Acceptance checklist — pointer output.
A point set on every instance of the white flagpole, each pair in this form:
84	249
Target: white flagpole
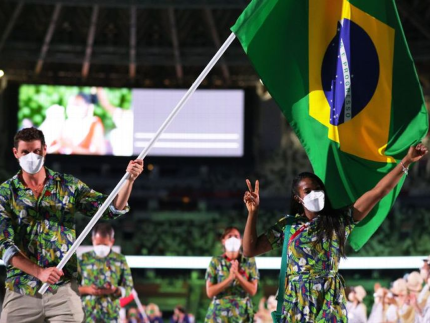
139	305
142	155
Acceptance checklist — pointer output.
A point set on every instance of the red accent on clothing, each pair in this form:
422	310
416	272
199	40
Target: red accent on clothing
300	230
126	300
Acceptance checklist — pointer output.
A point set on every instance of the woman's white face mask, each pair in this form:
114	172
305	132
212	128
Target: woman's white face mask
232	244
314	201
31	163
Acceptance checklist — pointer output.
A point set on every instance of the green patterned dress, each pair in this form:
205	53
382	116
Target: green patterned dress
314	290
233	304
97	271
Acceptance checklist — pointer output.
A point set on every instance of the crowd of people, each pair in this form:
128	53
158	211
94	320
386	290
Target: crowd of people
152	314
406	300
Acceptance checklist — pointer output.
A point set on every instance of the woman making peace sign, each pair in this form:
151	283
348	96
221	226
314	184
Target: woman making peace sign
314	290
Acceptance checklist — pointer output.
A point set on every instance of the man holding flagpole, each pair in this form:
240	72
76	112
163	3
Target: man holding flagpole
37	208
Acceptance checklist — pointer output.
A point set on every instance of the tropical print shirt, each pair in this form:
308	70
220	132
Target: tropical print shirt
43	229
112	269
314	290
233	304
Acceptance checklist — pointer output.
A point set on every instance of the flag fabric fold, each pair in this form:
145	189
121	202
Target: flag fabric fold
343	76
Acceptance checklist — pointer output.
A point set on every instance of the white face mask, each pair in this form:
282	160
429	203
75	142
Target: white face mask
31	163
314	201
101	250
232	244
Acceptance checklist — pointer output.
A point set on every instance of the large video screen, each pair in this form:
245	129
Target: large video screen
121	121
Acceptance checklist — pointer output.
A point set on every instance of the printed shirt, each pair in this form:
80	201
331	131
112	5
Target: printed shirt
112	269
314	290
234	300
43	228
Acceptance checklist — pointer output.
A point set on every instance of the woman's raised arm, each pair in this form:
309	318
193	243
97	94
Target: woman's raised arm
368	200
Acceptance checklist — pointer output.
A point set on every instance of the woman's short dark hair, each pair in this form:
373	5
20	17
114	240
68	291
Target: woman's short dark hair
28	135
228	230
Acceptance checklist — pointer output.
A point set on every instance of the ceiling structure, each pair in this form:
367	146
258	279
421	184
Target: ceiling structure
145	43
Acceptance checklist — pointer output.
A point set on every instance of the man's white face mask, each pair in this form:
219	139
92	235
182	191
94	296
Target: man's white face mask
32	163
232	244
314	201
101	250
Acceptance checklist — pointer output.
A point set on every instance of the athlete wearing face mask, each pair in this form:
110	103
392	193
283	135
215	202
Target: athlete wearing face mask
230	281
317	237
106	277
31	163
232	244
32	246
314	201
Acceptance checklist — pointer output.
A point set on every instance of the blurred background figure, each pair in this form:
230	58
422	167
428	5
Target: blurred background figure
380	305
423	300
133	316
357	311
231	280
180	315
120	138
399	310
414	283
106	277
265	309
153	313
53	125
83	133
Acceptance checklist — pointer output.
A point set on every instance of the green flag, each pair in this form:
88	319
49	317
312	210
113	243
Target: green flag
342	74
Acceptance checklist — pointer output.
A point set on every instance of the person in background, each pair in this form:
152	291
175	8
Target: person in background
133	316
154	314
357	312
377	314
83	132
191	317
231	280
264	315
179	315
53	125
400	310
106	277
120	138
414	283
37	213
423	300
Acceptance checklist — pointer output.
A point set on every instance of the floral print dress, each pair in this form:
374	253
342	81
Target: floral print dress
233	305
314	290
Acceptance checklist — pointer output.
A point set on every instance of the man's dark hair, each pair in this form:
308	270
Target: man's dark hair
105	230
28	135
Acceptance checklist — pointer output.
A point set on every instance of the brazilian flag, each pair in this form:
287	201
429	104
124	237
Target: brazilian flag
342	74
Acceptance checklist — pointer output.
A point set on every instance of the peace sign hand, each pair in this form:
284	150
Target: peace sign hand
251	197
